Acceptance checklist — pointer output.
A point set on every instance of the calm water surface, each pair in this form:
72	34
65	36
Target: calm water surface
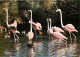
46	47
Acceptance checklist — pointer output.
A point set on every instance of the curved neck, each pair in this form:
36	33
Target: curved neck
7	17
31	22
61	18
47	24
50	24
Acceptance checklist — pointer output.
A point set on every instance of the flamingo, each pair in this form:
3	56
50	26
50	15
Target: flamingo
57	29
49	30
69	27
37	25
30	34
57	35
12	25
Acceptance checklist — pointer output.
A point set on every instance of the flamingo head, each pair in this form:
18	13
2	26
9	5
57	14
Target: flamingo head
5	9
49	19
30	10
58	10
39	26
54	27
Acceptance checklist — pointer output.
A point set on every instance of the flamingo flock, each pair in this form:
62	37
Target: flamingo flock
54	32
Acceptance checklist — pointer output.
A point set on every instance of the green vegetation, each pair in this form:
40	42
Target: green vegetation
18	11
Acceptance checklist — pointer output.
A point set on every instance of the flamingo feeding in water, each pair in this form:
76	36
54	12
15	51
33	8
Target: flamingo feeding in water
57	34
36	26
12	25
57	29
30	34
69	27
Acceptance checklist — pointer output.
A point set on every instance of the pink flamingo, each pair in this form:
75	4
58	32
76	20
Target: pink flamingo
57	29
30	34
57	34
49	30
36	26
12	25
69	27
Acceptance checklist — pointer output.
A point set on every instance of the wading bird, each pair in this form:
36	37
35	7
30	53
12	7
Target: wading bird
37	25
49	30
30	34
69	27
57	29
12	25
57	35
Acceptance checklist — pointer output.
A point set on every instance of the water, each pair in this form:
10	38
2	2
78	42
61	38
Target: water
46	47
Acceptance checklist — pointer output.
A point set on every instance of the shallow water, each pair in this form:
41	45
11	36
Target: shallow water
46	47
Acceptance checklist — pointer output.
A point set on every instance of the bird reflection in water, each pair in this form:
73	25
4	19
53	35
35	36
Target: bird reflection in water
17	48
32	53
67	49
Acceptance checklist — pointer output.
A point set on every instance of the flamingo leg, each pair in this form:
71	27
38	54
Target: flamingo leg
17	37
70	37
14	37
73	35
35	33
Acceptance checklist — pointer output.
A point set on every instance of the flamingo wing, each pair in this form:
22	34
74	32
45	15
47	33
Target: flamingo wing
32	23
57	29
70	27
59	35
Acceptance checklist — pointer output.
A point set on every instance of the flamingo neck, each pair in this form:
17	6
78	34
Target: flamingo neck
61	19
31	22
48	24
7	17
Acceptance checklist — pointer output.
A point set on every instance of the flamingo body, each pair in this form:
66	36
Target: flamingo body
13	25
30	35
70	28
57	29
58	35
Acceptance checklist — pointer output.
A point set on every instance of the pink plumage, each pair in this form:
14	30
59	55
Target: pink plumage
36	26
59	35
70	28
57	29
14	24
30	35
50	31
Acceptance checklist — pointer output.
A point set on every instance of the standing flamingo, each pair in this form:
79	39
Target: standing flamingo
12	25
36	26
57	34
57	29
49	30
30	34
69	27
